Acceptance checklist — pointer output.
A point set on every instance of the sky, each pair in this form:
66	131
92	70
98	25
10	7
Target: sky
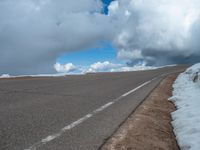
106	4
44	36
104	52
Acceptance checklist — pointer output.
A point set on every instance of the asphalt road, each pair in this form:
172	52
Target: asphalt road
70	113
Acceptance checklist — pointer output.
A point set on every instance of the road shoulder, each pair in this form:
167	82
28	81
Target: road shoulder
149	127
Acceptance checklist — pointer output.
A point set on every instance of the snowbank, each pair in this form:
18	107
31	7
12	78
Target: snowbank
39	75
186	119
5	76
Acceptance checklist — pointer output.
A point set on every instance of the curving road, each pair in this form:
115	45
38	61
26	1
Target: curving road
70	113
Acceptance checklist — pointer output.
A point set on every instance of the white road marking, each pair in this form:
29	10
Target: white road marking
103	107
86	117
126	94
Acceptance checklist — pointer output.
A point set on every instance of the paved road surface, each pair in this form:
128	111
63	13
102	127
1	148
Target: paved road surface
72	112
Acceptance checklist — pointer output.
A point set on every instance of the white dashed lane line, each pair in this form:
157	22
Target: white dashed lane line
84	118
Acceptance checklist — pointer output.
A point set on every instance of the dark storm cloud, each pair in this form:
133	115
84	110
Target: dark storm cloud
158	32
157	57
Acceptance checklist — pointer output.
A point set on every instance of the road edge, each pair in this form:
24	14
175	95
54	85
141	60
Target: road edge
109	141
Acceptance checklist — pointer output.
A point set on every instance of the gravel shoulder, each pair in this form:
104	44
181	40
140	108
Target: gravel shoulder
149	127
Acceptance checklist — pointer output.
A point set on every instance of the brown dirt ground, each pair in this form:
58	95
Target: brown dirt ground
149	127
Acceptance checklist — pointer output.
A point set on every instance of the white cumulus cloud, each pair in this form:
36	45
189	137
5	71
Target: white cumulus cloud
66	68
105	66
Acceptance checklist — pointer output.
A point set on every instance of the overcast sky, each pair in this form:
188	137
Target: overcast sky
35	33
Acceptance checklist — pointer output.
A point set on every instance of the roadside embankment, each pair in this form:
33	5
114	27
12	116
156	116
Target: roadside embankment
149	127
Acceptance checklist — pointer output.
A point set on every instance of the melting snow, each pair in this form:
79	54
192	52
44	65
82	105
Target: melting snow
186	119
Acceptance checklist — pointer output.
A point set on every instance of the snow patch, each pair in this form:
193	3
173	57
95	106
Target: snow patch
186	119
5	76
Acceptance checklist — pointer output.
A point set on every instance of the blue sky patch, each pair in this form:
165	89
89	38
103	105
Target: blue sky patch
103	52
106	4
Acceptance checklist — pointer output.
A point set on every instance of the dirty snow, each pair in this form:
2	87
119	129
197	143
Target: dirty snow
186	119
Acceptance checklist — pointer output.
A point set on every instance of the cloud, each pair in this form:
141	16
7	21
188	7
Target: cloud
159	32
105	66
66	68
113	7
34	33
126	55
